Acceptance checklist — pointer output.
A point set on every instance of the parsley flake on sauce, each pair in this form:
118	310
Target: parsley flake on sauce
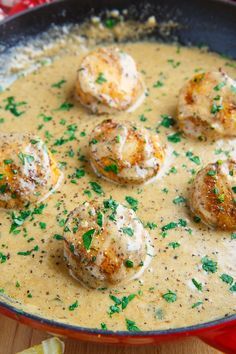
167	121
174	138
170	296
28	253
119	304
174	245
131	326
65	106
103	326
158	84
96	188
197	284
179	200
58	84
132	202
12	106
3	258
193	158
227	279
196	304
209	265
73	306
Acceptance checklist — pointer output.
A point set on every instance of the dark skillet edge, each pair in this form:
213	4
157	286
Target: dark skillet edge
200	20
14	312
60	325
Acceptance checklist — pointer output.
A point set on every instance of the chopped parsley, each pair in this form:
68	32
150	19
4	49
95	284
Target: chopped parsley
216	108
142	118
65	106
132	202
233	288
3	258
227	279
211	173
87	238
193	158
103	326
170	296
58	84
73	306
119	304
196	304
100	218
167	121
28	253
233	236
197	284
131	326
96	188
12	106
151	225
174	138
8	162
58	237
128	263
179	200
173	225
101	79
42	225
24	158
110	22
174	245
158	84
173	63
111	168
209	265
219	86
128	231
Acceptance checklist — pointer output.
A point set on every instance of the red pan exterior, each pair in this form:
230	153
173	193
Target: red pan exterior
219	334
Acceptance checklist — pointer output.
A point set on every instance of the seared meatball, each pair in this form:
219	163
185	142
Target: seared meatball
213	195
105	244
125	153
207	106
108	81
28	173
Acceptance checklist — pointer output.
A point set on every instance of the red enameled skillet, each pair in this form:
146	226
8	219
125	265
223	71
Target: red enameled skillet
208	22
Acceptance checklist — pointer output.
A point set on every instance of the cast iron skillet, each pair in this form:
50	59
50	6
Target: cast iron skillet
212	23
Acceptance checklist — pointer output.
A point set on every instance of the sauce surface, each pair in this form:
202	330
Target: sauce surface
175	290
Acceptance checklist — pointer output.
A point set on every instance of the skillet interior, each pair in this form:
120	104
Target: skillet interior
216	31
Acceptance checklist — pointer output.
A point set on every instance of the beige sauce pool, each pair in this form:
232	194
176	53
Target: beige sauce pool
40	282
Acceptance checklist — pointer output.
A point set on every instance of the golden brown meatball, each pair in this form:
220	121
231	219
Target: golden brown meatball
28	173
213	195
108	81
105	244
125	153
207	106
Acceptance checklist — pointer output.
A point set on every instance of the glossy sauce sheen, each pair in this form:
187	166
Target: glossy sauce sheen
40	282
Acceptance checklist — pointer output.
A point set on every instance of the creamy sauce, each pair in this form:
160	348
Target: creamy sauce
40	281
